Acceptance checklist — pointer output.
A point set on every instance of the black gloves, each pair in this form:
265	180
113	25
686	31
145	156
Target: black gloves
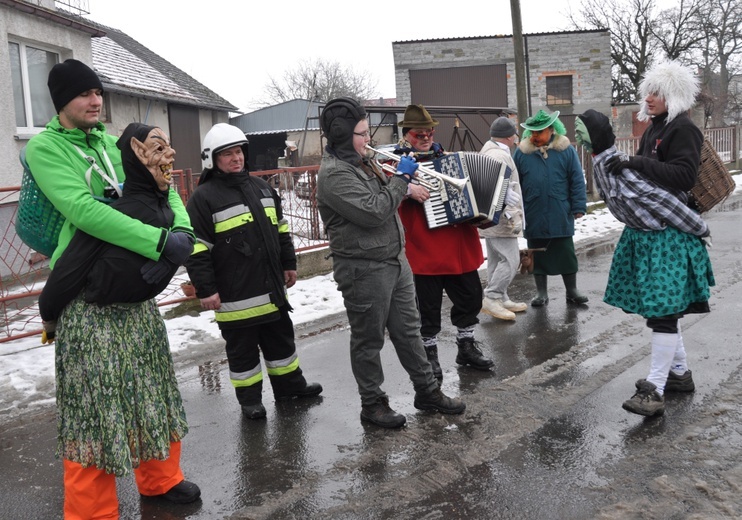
153	272
178	247
615	164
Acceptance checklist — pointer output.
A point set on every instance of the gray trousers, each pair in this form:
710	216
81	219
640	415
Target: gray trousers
379	297
503	257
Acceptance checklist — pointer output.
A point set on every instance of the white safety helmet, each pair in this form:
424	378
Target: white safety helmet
220	137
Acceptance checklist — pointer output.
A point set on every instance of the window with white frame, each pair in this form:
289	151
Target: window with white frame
29	71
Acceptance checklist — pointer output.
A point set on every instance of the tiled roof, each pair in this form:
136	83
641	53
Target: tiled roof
126	66
123	69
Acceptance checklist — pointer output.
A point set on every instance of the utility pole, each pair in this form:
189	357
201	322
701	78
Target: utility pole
521	93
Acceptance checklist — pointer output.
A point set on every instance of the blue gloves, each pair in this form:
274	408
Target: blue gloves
406	168
178	247
437	148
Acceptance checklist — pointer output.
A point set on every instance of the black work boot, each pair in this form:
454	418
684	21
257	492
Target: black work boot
432	355
250	399
542	294
253	411
437	401
573	295
309	390
470	354
381	414
182	493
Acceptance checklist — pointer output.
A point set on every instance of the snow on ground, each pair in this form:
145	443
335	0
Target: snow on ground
27	367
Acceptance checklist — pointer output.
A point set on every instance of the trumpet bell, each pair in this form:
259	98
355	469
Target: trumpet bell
457	183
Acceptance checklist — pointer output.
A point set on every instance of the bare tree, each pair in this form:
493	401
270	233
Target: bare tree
633	45
721	20
704	33
679	31
320	80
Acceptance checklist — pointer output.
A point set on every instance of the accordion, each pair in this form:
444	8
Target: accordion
480	202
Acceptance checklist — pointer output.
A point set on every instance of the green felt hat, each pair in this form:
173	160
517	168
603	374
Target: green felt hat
416	116
540	120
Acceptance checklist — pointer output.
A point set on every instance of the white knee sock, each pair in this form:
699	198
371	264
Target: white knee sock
663	351
680	361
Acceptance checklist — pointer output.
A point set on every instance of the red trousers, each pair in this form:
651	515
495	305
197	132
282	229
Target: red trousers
90	493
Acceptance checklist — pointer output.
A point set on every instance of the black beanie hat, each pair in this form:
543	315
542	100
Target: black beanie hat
68	80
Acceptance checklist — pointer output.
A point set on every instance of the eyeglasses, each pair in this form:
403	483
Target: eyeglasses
422	135
365	134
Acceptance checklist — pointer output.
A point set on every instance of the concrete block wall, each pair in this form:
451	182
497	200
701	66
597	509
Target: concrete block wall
585	55
313	263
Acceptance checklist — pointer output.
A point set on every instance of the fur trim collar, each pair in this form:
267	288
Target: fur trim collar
559	143
676	84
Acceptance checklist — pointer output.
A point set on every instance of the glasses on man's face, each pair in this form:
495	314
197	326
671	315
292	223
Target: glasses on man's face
365	134
422	135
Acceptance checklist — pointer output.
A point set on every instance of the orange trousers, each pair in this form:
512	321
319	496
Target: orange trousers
90	493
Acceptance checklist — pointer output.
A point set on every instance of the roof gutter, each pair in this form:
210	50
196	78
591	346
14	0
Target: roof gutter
52	16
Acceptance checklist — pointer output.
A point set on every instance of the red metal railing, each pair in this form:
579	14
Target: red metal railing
23	272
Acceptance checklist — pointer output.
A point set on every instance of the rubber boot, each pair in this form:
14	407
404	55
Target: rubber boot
573	295
542	295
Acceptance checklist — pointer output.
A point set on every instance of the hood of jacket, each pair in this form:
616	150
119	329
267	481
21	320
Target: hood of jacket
138	177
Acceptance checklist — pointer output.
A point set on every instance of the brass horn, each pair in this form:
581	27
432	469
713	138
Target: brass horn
459	184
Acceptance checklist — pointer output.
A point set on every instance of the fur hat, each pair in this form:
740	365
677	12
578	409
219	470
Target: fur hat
68	80
674	83
415	116
503	127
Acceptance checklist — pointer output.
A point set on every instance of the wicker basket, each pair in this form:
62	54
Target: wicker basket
714	183
38	222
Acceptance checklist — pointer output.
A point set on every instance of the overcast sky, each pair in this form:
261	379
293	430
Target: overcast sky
235	47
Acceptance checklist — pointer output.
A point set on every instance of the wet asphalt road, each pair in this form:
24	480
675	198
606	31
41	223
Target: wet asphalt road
535	441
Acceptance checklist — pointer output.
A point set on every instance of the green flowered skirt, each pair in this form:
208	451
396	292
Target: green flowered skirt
118	401
659	273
